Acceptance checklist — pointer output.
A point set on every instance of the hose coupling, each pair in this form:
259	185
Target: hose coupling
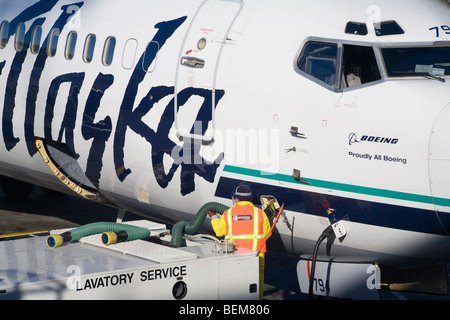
56	240
109	238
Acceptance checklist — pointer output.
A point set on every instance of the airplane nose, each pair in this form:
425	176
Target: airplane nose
439	166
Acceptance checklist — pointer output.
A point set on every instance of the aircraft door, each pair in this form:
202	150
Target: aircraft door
195	85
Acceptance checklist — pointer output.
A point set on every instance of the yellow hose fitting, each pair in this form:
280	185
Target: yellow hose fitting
54	241
109	238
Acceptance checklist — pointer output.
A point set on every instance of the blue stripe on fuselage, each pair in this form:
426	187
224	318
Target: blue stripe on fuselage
354	210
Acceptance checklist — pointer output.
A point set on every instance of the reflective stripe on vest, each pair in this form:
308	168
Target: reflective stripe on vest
255	236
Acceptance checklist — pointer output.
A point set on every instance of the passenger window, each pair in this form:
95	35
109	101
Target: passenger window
150	57
36	39
319	60
4	34
359	66
108	51
53	42
20	37
70	45
89	46
129	54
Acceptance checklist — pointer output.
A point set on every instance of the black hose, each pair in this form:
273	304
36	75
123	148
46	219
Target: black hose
322	237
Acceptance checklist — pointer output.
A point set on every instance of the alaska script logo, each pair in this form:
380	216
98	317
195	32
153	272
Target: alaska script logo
131	111
352	138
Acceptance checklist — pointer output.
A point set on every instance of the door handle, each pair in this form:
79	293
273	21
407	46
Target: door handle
192	62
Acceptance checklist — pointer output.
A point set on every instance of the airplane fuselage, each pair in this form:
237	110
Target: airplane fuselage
167	105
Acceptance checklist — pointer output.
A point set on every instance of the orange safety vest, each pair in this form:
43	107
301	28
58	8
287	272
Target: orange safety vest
244	225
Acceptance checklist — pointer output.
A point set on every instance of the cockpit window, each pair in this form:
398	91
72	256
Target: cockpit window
339	66
417	61
359	28
387	28
319	60
359	66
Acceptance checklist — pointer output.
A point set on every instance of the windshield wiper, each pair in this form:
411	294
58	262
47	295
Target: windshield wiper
420	74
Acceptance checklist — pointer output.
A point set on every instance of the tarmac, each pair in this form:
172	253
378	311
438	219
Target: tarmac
41	211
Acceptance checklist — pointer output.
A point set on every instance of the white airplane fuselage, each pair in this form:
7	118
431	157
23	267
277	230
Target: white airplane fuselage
203	95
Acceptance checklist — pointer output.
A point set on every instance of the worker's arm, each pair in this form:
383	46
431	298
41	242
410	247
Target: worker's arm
218	225
266	226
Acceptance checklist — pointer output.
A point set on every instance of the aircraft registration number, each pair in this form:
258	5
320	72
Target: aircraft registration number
440	30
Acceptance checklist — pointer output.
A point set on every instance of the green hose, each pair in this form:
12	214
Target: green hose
194	225
126	232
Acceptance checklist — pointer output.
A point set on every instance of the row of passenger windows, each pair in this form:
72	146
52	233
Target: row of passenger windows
52	45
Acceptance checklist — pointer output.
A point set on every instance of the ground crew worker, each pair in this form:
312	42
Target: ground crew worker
244	224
